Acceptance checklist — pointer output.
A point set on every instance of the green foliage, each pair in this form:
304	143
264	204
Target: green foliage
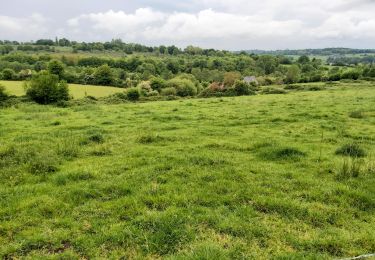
304	59
351	74
56	67
169	91
157	83
104	75
45	88
293	75
184	87
3	94
242	88
230	78
133	94
8	74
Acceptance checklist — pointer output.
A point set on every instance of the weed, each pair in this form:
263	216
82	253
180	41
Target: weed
283	153
350	168
357	114
352	150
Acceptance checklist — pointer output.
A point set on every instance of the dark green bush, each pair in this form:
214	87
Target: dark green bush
242	88
45	88
157	83
3	95
184	87
133	94
351	74
8	74
352	150
56	67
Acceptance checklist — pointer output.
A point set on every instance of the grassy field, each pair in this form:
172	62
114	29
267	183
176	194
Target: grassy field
77	91
254	177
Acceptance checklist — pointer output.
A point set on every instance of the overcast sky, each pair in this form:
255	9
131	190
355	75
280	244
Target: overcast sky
220	24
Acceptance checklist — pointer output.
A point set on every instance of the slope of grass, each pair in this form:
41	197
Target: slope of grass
76	90
231	178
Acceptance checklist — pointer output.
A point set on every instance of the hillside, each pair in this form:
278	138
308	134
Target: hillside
258	177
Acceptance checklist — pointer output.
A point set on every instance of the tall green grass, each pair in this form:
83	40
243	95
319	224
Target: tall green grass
260	177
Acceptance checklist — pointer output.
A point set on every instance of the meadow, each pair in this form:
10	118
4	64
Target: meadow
77	91
255	177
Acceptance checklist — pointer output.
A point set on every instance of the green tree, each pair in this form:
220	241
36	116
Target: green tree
157	83
133	94
8	74
56	67
184	87
104	75
242	88
293	75
303	59
230	78
267	63
46	88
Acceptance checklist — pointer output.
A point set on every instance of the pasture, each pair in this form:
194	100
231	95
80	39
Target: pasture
76	90
256	177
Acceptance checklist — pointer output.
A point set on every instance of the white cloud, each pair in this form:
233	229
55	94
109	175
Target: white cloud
235	24
262	24
32	26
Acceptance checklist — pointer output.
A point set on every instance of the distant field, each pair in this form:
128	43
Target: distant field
77	91
256	177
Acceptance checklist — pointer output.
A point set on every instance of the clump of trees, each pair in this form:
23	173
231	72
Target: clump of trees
47	88
168	70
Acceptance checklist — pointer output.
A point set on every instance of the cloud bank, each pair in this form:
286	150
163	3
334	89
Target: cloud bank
236	24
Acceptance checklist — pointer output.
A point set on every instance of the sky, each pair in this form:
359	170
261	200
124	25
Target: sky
219	24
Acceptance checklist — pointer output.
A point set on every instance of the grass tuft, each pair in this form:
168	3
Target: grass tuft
283	153
352	150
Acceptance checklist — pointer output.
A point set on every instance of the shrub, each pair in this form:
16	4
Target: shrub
352	150
169	91
3	95
103	75
157	84
8	74
184	87
216	90
56	67
133	94
242	88
144	88
45	88
230	78
351	74
334	77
